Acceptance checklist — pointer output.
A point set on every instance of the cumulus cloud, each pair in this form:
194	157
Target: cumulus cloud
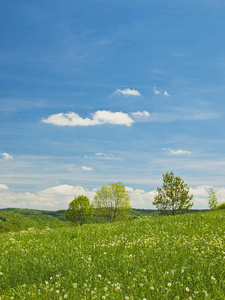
128	92
98	118
57	197
3	187
141	114
6	156
87	168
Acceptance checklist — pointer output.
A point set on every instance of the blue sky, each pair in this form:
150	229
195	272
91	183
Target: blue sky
94	92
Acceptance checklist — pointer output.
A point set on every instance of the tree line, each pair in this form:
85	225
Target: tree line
112	202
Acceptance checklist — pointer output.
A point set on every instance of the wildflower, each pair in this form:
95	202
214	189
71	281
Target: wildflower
57	291
152	288
99	276
105	288
1	273
127	298
103	297
65	296
75	285
213	278
169	284
187	289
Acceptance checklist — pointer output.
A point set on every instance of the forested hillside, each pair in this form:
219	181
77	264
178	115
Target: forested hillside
16	219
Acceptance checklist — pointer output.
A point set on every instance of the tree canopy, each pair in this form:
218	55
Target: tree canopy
173	196
112	202
80	210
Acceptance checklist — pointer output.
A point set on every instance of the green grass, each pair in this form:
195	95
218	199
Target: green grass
156	257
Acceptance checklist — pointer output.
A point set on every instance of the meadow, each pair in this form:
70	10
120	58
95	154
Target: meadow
155	257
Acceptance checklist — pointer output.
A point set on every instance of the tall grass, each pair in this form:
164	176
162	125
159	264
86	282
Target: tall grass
174	257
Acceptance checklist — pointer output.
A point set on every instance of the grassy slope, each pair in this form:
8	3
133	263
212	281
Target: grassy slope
15	219
154	258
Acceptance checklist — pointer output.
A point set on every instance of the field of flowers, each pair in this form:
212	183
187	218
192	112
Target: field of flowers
173	257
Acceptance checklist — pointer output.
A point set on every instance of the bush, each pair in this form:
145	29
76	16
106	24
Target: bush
221	206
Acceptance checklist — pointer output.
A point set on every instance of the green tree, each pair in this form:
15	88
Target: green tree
212	200
112	202
173	196
80	211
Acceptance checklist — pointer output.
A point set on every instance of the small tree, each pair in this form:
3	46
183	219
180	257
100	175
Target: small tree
212	200
113	202
80	210
173	196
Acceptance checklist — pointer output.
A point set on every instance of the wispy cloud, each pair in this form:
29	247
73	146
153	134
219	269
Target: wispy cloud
98	118
141	114
182	114
6	156
165	93
158	92
128	92
177	152
100	154
87	168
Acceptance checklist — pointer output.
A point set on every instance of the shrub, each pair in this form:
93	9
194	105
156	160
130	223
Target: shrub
221	206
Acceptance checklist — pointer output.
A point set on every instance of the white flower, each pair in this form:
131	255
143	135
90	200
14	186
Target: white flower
99	276
65	296
57	291
187	289
169	284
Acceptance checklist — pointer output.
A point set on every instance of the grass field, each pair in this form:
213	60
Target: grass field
158	257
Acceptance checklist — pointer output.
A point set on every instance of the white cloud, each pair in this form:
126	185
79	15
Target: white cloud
166	93
6	156
157	92
141	114
100	154
179	152
128	92
58	197
87	168
3	187
98	118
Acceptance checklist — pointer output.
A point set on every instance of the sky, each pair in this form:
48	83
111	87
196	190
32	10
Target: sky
95	92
